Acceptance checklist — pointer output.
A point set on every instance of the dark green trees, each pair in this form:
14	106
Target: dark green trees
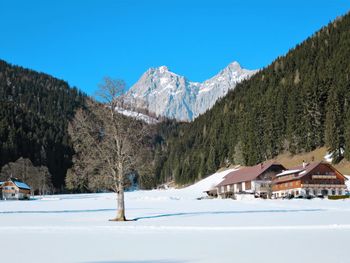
298	103
35	109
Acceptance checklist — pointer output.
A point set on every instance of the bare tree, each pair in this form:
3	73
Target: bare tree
37	177
107	142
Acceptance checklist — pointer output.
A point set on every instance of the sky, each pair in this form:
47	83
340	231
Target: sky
81	41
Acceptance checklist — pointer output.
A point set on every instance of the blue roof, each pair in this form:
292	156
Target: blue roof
21	185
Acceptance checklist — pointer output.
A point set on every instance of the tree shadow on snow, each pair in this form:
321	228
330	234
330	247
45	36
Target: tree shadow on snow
58	211
64	211
226	213
139	261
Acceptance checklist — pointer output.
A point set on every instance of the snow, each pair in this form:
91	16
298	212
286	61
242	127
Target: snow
137	115
163	81
163	69
288	172
188	99
21	185
328	157
172	226
207	183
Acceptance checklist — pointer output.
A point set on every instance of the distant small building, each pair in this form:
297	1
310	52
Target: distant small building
309	179
255	180
14	189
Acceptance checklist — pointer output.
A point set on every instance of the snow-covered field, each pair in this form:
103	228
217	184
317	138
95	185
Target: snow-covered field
171	226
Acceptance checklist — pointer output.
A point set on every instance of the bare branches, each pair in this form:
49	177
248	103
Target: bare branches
107	143
111	92
38	177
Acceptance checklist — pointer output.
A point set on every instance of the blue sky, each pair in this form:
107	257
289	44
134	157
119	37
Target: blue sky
82	41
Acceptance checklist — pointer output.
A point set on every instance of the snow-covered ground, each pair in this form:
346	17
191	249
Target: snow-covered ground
172	226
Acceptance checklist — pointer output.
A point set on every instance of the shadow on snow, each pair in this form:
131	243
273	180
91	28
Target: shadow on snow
227	213
139	261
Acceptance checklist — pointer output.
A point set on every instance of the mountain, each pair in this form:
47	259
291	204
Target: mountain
35	109
167	94
298	103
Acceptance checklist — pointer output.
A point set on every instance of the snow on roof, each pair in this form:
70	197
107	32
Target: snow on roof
21	185
289	172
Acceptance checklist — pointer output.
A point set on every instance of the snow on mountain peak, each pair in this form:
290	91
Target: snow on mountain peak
173	96
163	69
234	65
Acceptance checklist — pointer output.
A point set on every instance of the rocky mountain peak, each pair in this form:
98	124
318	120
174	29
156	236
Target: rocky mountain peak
163	69
173	96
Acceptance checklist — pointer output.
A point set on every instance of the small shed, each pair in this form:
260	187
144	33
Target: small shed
15	189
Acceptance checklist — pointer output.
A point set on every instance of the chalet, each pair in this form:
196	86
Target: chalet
15	189
250	180
309	179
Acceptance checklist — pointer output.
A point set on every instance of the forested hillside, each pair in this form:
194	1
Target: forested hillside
35	109
296	104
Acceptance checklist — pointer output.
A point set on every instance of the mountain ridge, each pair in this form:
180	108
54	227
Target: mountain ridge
174	96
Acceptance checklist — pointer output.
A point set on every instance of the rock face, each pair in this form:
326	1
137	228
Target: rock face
167	94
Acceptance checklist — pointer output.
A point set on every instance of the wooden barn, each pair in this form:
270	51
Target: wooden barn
254	180
309	179
14	189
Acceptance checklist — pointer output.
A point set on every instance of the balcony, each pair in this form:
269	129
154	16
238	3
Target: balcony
324	176
323	186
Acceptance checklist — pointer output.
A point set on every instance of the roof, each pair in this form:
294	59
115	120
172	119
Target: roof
301	171
247	173
20	184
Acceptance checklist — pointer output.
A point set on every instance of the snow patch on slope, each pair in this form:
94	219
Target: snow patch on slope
208	183
137	115
347	182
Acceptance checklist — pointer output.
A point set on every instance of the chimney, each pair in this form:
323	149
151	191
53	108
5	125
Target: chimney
261	165
304	164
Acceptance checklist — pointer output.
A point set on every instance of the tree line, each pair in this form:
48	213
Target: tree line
299	102
35	110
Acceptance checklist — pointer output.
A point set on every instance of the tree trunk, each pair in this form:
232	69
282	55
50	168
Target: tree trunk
121	204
